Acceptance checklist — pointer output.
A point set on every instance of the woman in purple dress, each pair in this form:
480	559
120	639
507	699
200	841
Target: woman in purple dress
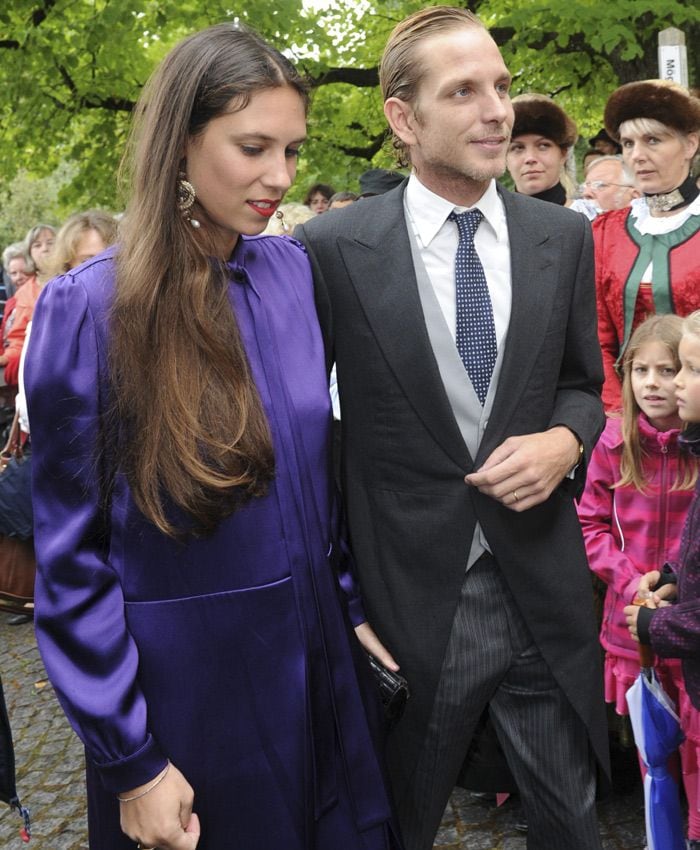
194	605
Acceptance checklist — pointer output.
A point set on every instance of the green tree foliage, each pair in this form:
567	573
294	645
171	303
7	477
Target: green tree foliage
71	71
27	200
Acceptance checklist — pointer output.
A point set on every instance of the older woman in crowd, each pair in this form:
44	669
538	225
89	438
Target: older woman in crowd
608	185
19	270
38	245
39	242
647	254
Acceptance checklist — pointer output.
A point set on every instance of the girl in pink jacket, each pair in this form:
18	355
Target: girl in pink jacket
638	490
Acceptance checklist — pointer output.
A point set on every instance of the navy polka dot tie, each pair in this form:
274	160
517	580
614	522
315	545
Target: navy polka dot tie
476	333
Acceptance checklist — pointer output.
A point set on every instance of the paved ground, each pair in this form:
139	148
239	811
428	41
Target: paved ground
50	775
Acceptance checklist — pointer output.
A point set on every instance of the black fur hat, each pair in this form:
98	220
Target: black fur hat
539	114
661	100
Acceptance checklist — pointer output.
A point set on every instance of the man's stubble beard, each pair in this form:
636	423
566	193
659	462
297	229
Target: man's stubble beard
468	174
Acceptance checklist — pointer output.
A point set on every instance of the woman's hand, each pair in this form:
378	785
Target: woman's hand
369	640
163	817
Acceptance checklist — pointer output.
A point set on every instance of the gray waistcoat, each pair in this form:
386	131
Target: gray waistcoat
471	418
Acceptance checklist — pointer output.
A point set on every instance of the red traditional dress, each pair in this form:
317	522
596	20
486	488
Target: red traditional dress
644	265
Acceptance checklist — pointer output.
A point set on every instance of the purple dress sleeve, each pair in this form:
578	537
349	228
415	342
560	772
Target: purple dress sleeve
80	621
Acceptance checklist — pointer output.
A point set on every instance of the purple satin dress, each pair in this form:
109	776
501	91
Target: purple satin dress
233	656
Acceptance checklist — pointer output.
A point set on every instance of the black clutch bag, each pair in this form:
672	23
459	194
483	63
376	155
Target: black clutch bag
393	689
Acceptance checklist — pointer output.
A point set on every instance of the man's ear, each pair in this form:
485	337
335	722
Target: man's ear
401	118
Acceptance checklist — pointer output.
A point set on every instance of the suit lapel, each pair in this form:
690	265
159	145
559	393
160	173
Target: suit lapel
377	255
378	258
534	275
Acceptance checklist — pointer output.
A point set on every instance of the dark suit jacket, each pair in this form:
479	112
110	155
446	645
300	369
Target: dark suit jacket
411	517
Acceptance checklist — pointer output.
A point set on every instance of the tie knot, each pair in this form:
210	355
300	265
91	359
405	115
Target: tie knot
467	222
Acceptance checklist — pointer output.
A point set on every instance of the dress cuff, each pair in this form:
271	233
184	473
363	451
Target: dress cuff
356	612
137	769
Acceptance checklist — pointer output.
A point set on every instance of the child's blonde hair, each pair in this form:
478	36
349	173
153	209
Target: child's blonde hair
668	330
691	324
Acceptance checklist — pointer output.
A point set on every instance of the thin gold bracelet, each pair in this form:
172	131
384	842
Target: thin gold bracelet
153	784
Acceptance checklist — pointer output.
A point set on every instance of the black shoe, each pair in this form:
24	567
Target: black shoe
520	826
19	619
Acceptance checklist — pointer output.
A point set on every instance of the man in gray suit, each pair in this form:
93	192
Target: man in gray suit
468	416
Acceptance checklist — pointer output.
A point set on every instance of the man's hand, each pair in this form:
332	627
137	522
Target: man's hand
524	471
163	817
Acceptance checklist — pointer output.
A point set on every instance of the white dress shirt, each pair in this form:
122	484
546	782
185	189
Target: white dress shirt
438	239
21	398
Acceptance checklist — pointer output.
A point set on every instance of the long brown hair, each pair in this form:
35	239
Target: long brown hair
666	329
193	434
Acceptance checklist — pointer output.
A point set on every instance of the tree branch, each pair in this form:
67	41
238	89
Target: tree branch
359	77
368	151
67	79
577	42
114	104
40	15
88	101
369	77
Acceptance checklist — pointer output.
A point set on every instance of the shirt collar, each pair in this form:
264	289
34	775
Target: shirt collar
429	211
647	223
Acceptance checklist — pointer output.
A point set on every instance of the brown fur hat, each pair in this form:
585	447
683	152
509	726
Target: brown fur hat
661	100
539	114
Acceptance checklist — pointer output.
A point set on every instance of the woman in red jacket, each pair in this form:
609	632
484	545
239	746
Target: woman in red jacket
647	254
38	244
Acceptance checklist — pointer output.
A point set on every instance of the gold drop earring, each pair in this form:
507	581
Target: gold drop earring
185	198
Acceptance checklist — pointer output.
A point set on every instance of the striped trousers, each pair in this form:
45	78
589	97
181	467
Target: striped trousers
491	660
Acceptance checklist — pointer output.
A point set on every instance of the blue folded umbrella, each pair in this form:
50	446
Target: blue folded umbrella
657	734
8	789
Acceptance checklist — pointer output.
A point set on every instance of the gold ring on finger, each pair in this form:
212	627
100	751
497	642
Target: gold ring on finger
515	496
